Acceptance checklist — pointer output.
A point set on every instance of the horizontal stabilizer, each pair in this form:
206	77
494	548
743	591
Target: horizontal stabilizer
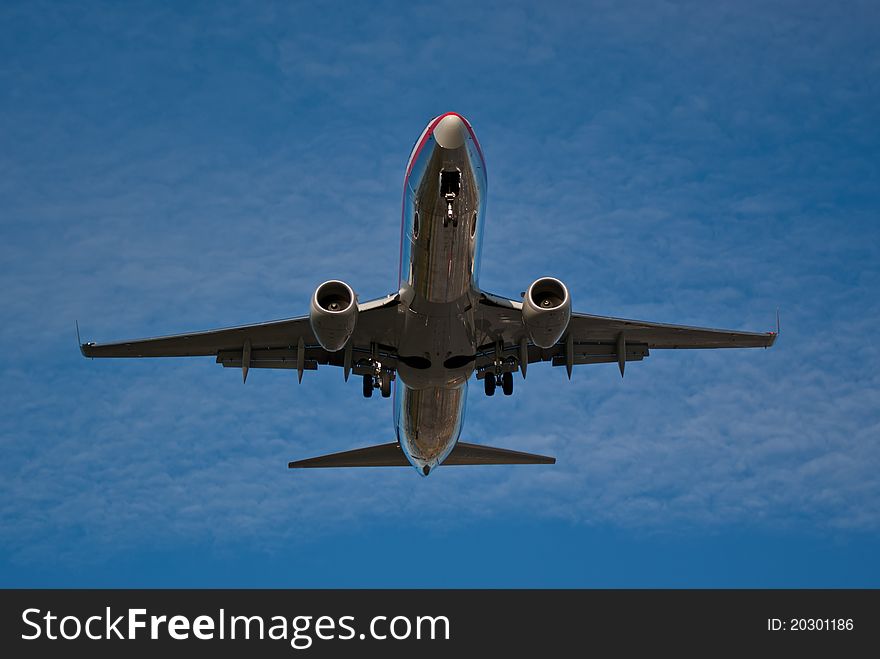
391	455
474	454
382	455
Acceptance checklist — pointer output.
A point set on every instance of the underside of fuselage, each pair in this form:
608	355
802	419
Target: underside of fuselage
443	206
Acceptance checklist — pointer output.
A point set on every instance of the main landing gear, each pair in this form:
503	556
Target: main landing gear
500	373
375	375
492	380
380	381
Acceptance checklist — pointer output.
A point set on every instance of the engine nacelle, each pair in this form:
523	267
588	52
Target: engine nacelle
333	314
546	311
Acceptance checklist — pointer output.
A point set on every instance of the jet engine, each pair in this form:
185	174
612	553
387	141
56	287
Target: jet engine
333	314
546	311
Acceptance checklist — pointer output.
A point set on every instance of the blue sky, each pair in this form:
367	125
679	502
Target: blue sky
175	166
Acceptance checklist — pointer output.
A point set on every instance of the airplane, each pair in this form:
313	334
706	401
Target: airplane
438	329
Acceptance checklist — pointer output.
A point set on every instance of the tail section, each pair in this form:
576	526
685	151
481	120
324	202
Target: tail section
391	455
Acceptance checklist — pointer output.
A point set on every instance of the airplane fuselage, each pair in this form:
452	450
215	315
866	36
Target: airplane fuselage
444	197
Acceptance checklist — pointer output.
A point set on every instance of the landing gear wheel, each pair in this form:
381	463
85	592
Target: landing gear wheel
507	383
489	383
368	386
385	379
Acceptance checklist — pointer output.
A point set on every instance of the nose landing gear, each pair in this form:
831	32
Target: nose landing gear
450	213
450	186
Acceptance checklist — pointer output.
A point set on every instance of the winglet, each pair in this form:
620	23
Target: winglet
79	343
774	335
82	346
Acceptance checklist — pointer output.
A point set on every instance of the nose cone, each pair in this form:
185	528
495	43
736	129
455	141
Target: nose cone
450	132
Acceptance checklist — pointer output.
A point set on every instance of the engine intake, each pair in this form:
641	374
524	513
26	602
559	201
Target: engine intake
546	311
333	314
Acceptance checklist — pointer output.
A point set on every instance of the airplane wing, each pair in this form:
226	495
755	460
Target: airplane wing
288	343
593	339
